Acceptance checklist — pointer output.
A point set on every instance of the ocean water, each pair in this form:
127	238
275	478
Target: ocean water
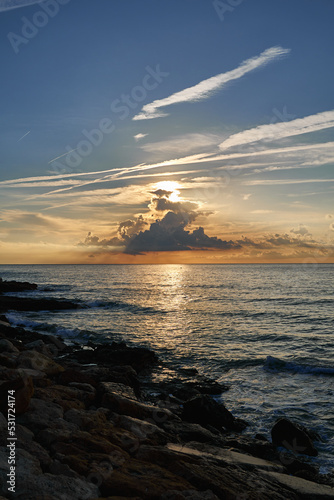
266	330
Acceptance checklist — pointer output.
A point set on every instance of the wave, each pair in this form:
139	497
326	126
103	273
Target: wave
51	329
273	364
118	305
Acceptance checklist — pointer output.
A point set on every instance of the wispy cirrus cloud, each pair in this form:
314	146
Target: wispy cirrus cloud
281	130
16	4
208	87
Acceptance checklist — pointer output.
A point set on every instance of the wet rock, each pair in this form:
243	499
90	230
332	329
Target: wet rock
38	361
138	358
206	411
293	437
27	304
16	286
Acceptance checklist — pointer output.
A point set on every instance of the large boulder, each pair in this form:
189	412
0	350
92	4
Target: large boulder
292	437
38	361
204	410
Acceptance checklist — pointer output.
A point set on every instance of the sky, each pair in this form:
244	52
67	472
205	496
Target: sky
166	131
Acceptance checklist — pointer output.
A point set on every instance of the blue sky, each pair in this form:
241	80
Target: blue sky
65	78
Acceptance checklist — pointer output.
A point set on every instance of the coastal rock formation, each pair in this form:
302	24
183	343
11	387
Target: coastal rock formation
293	437
206	411
88	433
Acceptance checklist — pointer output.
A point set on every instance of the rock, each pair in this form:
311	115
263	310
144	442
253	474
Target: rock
135	478
66	397
16	286
206	411
9	360
117	389
65	488
87	420
3	425
189	495
58	469
186	431
122	405
138	358
27	304
77	375
301	487
144	431
42	415
7	346
23	387
38	361
293	437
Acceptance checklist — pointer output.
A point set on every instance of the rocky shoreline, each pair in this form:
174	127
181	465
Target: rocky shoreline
91	423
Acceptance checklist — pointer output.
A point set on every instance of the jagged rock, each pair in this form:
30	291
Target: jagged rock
38	361
206	411
293	437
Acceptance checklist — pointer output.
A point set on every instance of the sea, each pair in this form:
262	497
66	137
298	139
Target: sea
266	330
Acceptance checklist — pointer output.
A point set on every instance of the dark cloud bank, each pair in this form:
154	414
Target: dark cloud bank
169	233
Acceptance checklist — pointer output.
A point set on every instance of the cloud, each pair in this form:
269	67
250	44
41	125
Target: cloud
15	4
275	131
206	88
269	182
138	137
169	234
302	231
182	144
126	230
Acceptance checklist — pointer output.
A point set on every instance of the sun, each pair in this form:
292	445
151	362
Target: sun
172	186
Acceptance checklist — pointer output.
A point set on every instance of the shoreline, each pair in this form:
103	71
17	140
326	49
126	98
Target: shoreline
89	427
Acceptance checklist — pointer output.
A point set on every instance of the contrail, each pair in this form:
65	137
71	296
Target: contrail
16	4
25	135
68	152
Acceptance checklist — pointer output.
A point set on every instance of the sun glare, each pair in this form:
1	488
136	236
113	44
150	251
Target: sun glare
172	186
